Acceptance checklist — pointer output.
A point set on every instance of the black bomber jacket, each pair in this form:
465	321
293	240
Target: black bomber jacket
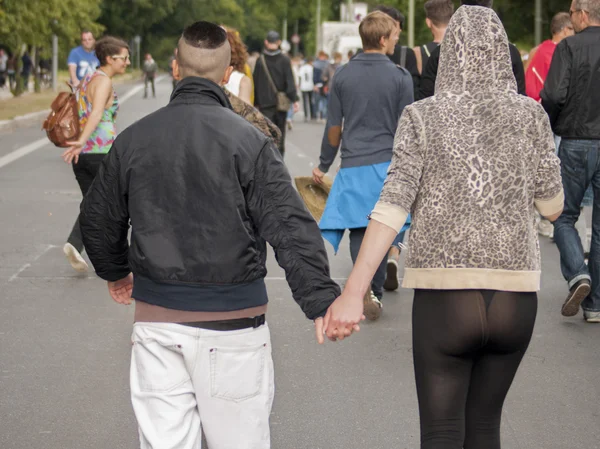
204	192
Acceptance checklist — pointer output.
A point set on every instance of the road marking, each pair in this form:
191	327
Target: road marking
23	151
27	265
27	149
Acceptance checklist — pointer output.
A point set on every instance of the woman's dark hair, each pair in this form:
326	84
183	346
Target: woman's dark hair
109	46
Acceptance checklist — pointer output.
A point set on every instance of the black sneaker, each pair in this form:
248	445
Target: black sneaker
577	294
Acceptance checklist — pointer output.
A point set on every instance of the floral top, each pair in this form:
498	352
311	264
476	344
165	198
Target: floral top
105	133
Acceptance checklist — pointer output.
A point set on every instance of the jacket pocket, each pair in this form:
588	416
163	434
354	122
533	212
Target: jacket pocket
236	373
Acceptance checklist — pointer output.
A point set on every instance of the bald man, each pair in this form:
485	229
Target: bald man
204	192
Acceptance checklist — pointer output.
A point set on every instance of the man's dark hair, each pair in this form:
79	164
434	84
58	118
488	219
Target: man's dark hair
439	11
393	13
204	35
204	51
484	3
85	31
559	22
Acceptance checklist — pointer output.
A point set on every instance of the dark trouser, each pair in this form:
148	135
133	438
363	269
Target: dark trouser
85	171
356	238
279	119
467	347
149	79
580	168
309	105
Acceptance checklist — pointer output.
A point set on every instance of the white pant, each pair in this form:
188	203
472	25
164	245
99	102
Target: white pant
184	379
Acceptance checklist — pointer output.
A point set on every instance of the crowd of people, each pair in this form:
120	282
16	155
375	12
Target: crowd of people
468	168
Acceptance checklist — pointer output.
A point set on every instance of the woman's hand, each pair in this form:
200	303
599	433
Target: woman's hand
343	316
72	153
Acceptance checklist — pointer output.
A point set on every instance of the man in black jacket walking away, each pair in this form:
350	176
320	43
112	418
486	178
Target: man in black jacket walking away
430	71
571	98
204	191
274	84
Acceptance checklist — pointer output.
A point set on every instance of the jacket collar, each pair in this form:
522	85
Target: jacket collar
362	56
194	89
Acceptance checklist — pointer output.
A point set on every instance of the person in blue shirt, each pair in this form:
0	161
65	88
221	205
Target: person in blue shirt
82	60
368	96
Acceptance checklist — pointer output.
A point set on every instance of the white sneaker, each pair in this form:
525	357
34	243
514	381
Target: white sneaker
75	259
545	228
591	317
372	306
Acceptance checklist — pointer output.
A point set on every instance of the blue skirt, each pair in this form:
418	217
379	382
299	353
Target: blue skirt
353	196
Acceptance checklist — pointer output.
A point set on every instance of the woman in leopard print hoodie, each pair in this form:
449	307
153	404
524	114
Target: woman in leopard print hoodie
471	164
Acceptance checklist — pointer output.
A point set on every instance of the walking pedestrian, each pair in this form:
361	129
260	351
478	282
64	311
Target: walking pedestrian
82	60
11	71
149	68
239	83
403	56
296	64
274	84
473	256
320	70
307	86
3	67
171	73
201	216
430	71
535	77
539	65
367	96
26	66
98	106
437	15
570	96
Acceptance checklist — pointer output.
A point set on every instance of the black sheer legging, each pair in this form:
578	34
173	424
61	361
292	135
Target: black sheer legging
467	346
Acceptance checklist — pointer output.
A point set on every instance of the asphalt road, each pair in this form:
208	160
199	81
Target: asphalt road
65	348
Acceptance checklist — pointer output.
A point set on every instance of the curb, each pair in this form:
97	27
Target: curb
20	118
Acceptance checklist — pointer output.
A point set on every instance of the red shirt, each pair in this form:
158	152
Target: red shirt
536	74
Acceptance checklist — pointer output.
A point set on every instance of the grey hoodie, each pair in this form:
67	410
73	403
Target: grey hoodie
472	163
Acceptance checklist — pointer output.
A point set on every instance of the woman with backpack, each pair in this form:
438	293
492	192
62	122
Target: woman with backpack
98	105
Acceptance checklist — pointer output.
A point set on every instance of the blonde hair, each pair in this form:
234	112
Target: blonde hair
373	27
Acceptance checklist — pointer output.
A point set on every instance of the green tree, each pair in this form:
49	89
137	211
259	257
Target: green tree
30	24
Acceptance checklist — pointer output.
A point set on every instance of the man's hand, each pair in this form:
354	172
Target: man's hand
343	317
121	290
318	176
340	333
296	107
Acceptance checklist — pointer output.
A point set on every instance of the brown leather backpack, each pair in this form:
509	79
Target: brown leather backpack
62	124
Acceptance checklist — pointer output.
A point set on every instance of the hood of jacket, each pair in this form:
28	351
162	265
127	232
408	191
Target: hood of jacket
475	56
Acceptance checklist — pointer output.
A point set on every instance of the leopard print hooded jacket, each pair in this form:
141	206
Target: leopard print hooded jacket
472	164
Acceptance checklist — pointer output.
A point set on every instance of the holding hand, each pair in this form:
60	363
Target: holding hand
318	176
343	316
